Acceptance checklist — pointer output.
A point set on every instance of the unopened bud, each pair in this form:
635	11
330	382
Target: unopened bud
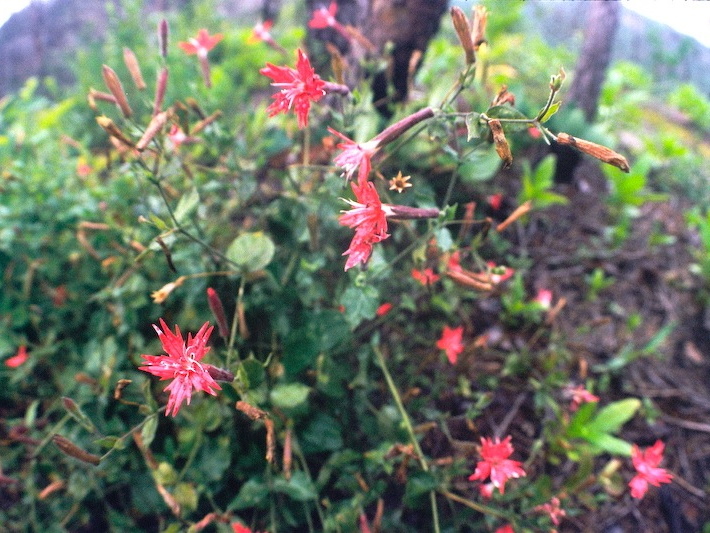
478	31
217	308
202	124
464	278
131	61
113	83
98	95
288	453
161	85
504	96
155	125
556	80
163	37
398	128
602	153
521	210
110	127
71	449
500	142
219	374
463	30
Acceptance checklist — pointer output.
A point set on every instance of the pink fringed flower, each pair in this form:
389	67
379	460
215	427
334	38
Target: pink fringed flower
261	32
553	509
495	464
646	465
425	277
200	45
451	343
369	218
181	364
298	88
355	157
323	18
579	396
19	359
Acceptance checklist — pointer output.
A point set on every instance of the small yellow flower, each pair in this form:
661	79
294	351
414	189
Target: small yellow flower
162	294
399	182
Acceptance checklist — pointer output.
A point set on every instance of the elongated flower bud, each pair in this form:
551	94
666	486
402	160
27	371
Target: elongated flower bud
154	126
462	277
604	154
98	95
217	308
398	128
110	127
163	37
161	85
500	142
337	88
463	30
71	449
113	83
202	124
219	374
478	32
521	210
131	61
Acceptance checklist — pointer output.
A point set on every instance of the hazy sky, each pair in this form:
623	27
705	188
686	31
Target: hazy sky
691	17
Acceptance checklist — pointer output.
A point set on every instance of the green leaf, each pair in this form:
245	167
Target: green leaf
551	111
473	126
77	414
298	488
480	165
613	416
360	303
251	251
187	205
506	111
580	419
323	434
289	395
418	484
252	494
110	442
610	444
148	429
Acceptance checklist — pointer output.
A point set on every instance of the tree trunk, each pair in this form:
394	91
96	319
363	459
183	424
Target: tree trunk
602	22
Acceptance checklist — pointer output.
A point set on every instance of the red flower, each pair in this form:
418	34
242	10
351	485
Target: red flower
298	88
181	364
451	343
553	509
495	463
261	32
454	262
579	396
369	218
544	298
383	309
646	465
324	18
486	490
495	201
505	529
202	44
19	358
355	156
425	277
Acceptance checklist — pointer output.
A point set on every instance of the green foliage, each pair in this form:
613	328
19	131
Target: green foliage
536	184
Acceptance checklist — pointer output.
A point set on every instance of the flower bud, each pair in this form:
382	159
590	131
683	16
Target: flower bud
110	127
131	61
478	31
504	96
515	215
113	83
161	85
556	81
398	128
154	126
463	30
500	142
466	279
405	212
71	449
162	294
219	374
604	154
217	308
163	37
202	124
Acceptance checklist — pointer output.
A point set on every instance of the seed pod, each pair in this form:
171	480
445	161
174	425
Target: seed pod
501	143
163	37
160	86
604	154
154	126
478	32
110	127
71	449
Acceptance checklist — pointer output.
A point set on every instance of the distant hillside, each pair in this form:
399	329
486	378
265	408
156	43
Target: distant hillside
35	41
667	54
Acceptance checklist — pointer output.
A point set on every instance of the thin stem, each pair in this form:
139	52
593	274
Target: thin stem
473	505
307	145
410	430
235	323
